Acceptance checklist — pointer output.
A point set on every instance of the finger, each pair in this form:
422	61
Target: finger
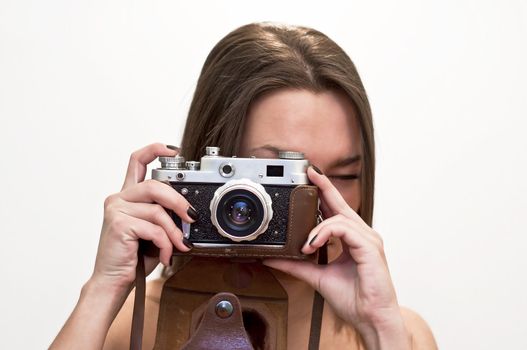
330	195
141	158
314	235
153	191
359	228
348	231
141	229
157	215
303	270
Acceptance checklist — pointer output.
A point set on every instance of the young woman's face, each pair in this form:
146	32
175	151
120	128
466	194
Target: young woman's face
323	126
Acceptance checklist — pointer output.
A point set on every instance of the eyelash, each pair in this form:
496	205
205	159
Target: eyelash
346	177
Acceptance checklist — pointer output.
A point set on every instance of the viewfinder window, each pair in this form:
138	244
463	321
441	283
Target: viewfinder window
275	170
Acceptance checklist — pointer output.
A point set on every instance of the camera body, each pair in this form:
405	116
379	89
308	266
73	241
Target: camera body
248	207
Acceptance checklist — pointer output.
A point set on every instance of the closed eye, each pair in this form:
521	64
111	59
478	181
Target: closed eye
345	177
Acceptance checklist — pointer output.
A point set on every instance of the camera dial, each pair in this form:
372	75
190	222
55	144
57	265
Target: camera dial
241	210
290	155
192	165
177	162
212	151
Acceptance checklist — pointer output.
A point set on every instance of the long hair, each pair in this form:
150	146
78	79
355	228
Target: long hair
260	57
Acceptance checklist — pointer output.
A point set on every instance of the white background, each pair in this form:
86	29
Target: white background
83	84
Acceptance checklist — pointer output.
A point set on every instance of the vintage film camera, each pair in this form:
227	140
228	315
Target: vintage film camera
248	207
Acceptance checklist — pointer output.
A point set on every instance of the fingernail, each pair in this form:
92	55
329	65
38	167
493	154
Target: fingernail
188	243
317	169
313	239
192	213
173	148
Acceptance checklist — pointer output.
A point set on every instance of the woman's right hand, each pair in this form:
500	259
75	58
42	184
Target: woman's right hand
137	212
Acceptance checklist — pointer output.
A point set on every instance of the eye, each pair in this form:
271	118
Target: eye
345	177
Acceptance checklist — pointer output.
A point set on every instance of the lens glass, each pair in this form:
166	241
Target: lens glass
240	213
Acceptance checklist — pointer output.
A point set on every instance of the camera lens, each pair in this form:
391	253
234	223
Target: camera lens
240	213
241	210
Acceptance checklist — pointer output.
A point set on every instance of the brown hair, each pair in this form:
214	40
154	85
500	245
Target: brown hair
260	57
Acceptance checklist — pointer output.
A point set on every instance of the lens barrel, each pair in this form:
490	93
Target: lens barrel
241	210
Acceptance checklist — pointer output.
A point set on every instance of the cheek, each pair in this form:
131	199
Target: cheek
350	191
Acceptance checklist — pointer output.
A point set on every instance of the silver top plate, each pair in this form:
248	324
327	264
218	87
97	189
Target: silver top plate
217	169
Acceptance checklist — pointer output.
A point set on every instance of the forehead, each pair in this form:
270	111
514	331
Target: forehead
322	125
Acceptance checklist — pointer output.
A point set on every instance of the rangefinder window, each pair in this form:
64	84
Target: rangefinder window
275	171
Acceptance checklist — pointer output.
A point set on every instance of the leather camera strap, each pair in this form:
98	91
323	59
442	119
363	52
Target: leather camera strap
136	335
318	306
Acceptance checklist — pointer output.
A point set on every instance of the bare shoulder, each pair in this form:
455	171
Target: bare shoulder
118	336
420	332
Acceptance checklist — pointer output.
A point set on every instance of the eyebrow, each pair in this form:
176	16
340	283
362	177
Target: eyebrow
336	164
346	161
266	147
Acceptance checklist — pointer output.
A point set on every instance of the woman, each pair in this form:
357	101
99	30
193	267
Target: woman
264	88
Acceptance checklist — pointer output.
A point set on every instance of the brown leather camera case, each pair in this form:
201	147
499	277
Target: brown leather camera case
303	208
186	299
186	294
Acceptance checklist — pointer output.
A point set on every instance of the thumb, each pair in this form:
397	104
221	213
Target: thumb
303	270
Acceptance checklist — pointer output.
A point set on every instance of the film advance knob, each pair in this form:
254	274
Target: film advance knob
290	155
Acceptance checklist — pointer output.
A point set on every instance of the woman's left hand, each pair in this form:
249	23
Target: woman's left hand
357	284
